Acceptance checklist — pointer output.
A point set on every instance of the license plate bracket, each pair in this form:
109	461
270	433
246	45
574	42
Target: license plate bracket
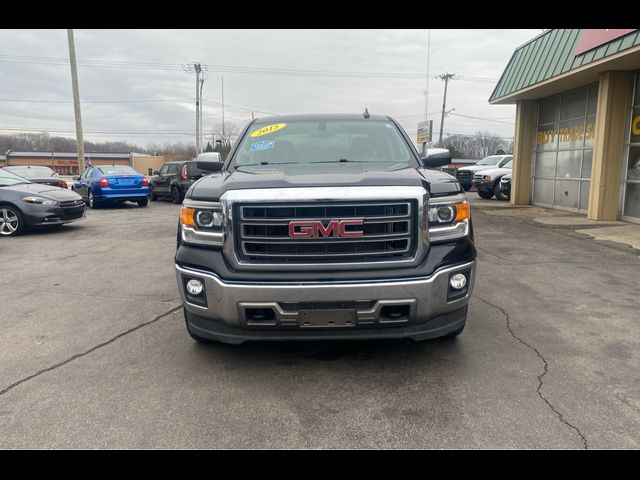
327	318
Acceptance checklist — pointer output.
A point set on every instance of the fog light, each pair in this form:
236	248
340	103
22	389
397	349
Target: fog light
458	281
194	287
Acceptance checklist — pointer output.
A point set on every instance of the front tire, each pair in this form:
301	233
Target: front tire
454	335
499	195
484	194
197	338
11	221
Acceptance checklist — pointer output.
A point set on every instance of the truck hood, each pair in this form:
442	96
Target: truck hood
212	187
476	168
496	172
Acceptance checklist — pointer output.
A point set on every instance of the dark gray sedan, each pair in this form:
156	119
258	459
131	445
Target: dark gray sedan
24	205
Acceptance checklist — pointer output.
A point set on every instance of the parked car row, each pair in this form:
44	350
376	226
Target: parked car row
486	176
35	196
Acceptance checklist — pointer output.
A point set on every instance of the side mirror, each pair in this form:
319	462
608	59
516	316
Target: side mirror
437	157
156	172
209	161
209	165
76	177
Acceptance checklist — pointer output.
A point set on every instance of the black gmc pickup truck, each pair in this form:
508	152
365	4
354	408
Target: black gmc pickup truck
325	227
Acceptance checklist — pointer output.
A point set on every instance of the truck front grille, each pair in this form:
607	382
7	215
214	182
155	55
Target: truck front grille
463	176
388	230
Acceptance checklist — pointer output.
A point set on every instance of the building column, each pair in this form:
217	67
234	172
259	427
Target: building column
612	116
523	151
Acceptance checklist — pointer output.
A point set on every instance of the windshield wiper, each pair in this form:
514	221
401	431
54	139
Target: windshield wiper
264	163
346	160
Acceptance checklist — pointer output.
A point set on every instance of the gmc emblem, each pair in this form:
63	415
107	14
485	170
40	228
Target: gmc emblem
315	229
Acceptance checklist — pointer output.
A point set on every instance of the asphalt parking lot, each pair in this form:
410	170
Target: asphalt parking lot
94	353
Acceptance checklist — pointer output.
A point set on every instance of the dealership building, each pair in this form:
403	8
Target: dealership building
577	133
66	163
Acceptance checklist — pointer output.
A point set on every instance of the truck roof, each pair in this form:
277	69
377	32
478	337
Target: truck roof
319	117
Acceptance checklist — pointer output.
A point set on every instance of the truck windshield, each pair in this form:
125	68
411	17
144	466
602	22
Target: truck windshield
375	144
492	160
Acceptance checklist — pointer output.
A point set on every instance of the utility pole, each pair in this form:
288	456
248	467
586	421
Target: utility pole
426	92
201	102
76	101
445	77
197	67
203	76
223	136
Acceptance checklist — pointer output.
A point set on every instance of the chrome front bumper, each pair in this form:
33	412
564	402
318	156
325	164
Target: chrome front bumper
423	298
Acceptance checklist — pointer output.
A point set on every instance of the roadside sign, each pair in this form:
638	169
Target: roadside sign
424	131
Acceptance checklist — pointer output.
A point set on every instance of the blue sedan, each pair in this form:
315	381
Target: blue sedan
112	184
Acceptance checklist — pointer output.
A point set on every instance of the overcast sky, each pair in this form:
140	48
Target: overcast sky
265	71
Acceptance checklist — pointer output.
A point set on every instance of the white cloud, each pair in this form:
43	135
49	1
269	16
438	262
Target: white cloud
480	53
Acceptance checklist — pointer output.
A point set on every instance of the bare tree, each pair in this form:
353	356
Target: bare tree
479	145
224	137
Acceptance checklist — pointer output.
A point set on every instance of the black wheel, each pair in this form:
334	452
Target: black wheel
484	194
92	202
453	335
499	195
143	203
11	222
197	338
176	196
152	195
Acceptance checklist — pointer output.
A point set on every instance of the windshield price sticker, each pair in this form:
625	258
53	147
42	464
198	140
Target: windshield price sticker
268	129
262	145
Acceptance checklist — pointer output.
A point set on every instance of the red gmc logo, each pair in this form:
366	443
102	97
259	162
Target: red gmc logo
315	228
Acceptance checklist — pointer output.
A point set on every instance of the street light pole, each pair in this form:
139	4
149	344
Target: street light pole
426	92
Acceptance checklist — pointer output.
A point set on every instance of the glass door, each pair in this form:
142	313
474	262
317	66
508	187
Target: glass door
631	187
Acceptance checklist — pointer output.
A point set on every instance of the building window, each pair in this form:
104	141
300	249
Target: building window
564	149
631	193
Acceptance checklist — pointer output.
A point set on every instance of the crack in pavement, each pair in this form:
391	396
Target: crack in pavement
123	296
546	370
87	352
544	262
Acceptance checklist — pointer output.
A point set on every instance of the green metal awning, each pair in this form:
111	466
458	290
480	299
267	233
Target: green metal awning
551	54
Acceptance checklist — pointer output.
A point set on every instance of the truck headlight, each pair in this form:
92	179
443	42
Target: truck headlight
202	223
486	177
448	218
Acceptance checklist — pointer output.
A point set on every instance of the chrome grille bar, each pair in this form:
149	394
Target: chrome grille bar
390	233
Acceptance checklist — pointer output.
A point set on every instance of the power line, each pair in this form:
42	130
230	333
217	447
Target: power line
94	101
227	68
136	101
482	118
226	105
55	129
